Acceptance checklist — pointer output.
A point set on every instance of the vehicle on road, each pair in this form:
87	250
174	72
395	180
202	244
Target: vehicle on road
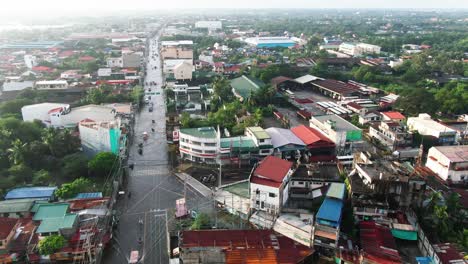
145	135
150	109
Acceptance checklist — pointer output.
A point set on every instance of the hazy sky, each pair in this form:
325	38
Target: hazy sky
47	8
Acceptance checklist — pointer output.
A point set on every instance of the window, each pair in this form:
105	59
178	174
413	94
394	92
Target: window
257	202
196	143
263	205
210	144
271	195
301	183
265	151
257	191
196	150
262	140
210	151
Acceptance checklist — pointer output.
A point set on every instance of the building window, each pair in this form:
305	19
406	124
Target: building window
257	202
257	191
196	143
263	205
265	151
210	144
262	140
272	195
197	150
210	151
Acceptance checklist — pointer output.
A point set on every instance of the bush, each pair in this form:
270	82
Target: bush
69	190
51	244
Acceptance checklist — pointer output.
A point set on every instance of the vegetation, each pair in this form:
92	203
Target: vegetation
102	164
202	221
107	94
51	244
70	190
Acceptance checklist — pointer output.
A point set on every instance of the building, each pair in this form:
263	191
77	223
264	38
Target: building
269	185
71	74
170	64
182	49
16	208
261	139
116	62
100	136
328	219
210	25
131	60
447	253
319	147
378	245
340	131
183	71
270	42
425	126
16	85
393	116
297	227
336	89
449	162
54	219
369	117
285	143
243	87
239	246
51	85
41	111
198	144
71	118
37	193
30	61
359	49
391	134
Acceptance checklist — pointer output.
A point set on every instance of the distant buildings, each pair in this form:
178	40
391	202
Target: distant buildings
210	25
181	49
51	85
270	42
359	49
127	60
30	61
450	163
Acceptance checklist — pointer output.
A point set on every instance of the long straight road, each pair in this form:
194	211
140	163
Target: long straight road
153	188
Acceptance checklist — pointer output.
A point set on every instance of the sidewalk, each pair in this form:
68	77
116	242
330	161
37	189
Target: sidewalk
195	184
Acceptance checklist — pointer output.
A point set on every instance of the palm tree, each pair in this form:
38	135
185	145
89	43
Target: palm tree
50	138
17	151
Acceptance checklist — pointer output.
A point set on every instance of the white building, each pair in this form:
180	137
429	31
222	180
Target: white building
183	71
340	131
210	25
100	136
16	85
261	139
449	162
114	62
30	61
43	112
104	72
51	85
198	144
425	126
358	49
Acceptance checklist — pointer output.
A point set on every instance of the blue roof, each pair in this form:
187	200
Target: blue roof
31	192
88	195
424	260
330	212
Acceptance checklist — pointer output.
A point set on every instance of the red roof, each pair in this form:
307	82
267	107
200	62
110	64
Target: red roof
448	253
310	136
66	53
247	246
219	64
378	244
273	169
393	115
355	106
86	58
233	68
266	182
6	225
42	69
81	204
53	110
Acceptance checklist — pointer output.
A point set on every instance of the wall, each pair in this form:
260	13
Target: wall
263	196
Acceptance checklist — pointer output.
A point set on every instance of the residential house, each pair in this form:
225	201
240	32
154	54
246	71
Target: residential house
243	87
391	134
269	189
319	147
341	132
450	163
261	139
425	126
328	219
369	117
285	143
16	208
393	116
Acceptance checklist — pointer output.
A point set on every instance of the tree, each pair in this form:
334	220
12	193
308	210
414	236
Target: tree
20	173
17	151
222	89
74	166
14	106
41	177
51	244
415	101
138	93
102	164
69	190
202	221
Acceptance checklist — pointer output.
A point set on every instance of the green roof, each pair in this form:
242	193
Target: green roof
241	189
50	225
202	132
336	190
16	205
244	86
259	132
46	211
239	144
37	204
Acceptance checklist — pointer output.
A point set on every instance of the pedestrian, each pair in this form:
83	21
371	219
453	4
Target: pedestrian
129	195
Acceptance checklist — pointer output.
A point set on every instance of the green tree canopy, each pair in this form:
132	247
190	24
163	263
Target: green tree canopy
74	166
102	164
69	190
51	244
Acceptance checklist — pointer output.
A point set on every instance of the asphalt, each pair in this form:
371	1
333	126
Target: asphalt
145	215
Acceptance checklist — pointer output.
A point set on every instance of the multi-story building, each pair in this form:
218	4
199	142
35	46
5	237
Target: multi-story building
51	85
181	49
449	162
425	126
198	144
261	139
30	61
358	49
183	71
340	131
392	135
100	136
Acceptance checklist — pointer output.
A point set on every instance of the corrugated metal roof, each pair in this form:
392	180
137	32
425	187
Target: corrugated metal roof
88	195
50	211
16	205
244	86
281	137
336	190
31	192
309	135
55	224
273	168
330	210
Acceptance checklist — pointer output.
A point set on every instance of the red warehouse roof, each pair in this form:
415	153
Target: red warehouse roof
310	136
273	168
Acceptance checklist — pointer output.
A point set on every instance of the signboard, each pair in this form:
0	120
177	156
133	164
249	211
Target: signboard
175	135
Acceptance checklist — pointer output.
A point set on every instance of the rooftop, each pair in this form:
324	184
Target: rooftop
238	144
241	189
309	135
259	132
201	132
394	115
51	211
272	169
31	192
306	79
244	86
54	217
97	113
337	86
449	254
6	225
16	205
340	123
88	195
336	190
330	211
454	153
378	244
281	137
176	43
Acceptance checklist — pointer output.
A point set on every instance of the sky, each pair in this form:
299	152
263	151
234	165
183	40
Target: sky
45	8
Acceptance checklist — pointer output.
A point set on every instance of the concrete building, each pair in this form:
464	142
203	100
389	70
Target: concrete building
359	49
30	61
182	49
51	85
100	136
183	71
116	62
449	162
42	112
425	126
340	131
261	139
198	144
210	25
270	42
131	60
170	64
391	134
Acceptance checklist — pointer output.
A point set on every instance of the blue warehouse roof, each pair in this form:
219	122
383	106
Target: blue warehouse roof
31	192
88	195
330	212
